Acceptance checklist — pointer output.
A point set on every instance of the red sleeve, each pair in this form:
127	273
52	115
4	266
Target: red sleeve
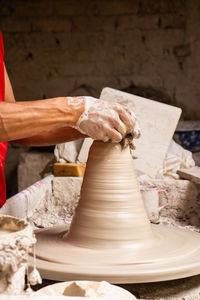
1	45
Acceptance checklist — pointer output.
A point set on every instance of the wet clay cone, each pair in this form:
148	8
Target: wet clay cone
111	211
110	237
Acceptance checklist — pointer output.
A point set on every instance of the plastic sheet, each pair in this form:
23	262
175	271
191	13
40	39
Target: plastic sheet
176	158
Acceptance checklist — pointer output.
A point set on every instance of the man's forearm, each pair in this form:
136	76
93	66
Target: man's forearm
51	137
21	120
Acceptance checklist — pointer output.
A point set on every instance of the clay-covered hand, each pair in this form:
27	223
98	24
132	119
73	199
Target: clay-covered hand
107	121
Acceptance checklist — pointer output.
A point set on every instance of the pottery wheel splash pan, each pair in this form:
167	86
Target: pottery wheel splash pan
110	237
175	254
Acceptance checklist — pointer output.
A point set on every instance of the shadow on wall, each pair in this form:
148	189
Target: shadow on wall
84	89
33	166
143	91
150	93
11	165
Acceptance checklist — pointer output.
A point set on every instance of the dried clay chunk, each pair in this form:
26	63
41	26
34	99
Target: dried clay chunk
74	290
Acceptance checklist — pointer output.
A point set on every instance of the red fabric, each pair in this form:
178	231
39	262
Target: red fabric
3	146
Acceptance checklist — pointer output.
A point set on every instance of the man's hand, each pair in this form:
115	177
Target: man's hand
107	121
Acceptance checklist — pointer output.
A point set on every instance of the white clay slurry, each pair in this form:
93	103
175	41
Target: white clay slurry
88	289
16	239
110	236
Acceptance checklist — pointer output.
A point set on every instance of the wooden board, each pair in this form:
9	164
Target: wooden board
83	154
69	169
158	122
192	174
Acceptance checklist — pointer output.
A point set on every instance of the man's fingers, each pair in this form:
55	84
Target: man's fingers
129	118
136	130
132	145
117	124
112	133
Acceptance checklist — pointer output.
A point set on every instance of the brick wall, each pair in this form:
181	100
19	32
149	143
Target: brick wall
68	47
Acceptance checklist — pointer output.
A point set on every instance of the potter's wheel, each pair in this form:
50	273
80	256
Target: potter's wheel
110	237
174	254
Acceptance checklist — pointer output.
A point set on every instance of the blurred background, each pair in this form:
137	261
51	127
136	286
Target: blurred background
66	47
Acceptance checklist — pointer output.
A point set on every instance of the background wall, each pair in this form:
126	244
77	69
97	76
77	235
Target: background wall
67	47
